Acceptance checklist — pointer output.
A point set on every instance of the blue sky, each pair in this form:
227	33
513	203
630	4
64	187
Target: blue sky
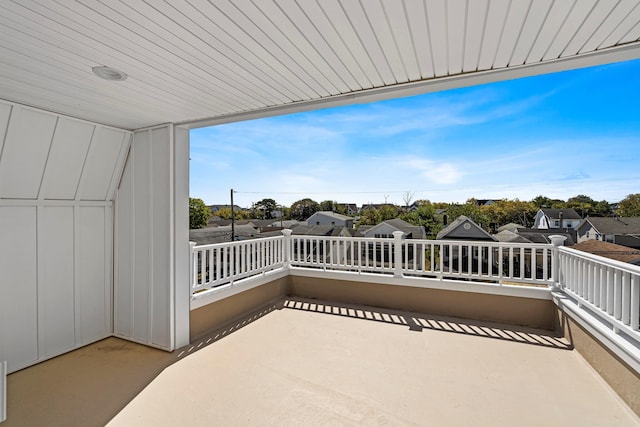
559	135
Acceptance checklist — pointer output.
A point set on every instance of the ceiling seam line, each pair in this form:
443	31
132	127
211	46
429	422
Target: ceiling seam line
273	84
346	45
584	20
395	41
227	75
535	40
312	47
338	74
555	36
285	67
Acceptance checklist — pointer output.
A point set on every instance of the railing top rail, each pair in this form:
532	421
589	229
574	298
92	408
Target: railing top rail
237	242
630	268
427	241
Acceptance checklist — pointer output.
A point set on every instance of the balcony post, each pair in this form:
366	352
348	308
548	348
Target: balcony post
556	241
287	247
192	276
397	253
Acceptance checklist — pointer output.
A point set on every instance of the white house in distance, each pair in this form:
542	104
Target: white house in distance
556	218
330	218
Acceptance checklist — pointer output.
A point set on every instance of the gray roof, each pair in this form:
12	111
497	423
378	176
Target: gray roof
510	237
410	230
610	250
542	236
333	215
457	223
208	236
512	226
566	213
617	225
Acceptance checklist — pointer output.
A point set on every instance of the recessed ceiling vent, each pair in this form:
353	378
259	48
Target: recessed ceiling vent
109	73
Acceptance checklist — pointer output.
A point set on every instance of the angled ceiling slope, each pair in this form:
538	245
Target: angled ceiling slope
203	62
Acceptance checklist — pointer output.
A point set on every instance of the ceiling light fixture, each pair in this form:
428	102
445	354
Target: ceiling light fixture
109	73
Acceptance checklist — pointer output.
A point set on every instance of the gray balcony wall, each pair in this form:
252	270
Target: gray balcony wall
58	177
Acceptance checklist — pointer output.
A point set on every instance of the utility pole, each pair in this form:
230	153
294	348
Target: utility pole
233	222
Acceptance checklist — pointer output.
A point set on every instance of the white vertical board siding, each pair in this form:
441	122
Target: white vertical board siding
144	288
99	168
18	287
56	249
93	287
66	159
182	288
160	215
25	153
56	322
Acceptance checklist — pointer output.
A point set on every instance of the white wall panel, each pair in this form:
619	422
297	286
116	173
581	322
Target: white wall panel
25	153
162	247
56	251
56	323
145	289
124	254
93	286
100	165
66	159
142	225
18	296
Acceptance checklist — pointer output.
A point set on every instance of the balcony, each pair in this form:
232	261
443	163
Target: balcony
353	331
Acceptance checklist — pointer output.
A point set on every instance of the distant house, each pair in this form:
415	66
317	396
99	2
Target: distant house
349	208
330	218
556	218
463	228
380	251
620	230
610	250
456	258
386	228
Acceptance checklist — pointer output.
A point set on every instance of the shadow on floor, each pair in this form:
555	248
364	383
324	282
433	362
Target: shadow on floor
89	386
419	321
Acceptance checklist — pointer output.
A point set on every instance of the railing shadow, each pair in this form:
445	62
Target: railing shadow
420	321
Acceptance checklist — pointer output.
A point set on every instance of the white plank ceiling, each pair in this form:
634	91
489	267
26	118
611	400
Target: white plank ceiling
221	60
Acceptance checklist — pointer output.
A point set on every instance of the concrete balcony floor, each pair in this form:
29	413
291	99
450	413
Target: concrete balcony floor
306	362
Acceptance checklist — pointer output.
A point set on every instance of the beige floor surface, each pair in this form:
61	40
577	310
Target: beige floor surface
317	364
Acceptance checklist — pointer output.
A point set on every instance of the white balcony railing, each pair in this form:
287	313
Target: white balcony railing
609	289
604	292
223	264
479	261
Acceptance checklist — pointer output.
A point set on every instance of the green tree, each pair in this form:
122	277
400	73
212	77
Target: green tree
303	209
370	216
602	208
225	213
470	210
582	204
328	205
505	211
199	213
630	205
388	212
265	208
424	216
